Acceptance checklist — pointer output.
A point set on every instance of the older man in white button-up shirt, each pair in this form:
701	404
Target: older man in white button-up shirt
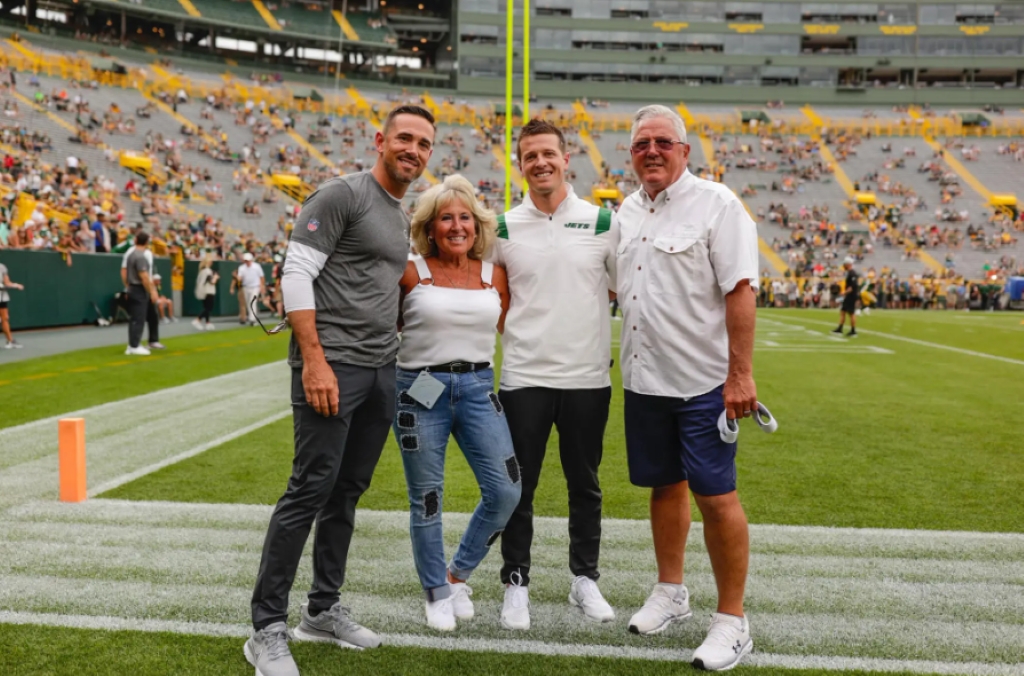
687	275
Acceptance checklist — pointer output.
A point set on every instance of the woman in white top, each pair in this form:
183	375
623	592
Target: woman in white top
452	304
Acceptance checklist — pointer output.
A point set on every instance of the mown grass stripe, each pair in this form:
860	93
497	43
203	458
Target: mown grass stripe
519	646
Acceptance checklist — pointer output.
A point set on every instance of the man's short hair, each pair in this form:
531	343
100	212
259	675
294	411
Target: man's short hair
142	239
418	111
654	111
537	127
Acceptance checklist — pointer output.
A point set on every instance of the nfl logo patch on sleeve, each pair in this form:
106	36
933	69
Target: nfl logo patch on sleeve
313	225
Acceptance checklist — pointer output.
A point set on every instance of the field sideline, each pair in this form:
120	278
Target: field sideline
883	541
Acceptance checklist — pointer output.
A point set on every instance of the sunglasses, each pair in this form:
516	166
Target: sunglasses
663	144
281	325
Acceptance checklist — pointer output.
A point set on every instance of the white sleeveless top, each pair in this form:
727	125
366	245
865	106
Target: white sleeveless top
442	325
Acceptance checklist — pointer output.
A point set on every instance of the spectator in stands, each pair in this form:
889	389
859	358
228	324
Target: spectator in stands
5	299
253	284
452	303
556	240
206	292
347	255
693	242
142	293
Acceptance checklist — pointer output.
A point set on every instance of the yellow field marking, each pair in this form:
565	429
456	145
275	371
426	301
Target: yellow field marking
40	376
684	113
960	169
595	155
297	137
202	349
813	116
350	33
190	9
83	369
178	353
53	116
8	382
265	13
841	178
246	342
117	363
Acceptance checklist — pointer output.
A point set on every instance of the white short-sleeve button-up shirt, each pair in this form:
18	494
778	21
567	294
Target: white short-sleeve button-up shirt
678	256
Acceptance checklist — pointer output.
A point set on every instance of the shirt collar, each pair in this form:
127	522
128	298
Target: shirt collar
677	189
570	195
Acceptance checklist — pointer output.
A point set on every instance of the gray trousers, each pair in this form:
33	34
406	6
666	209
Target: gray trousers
334	462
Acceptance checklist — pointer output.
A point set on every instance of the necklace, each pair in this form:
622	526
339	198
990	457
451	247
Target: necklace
451	281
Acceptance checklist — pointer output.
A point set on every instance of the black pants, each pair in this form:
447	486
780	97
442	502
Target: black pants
153	322
138	307
580	416
334	462
204	316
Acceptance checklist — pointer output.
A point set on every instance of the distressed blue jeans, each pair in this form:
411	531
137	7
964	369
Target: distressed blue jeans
469	410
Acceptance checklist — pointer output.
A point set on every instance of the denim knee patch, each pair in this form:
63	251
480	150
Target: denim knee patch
494	536
495	402
512	469
405	399
410	442
406	420
431	504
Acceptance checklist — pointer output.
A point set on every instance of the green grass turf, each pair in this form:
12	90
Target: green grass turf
38	651
47	386
922	438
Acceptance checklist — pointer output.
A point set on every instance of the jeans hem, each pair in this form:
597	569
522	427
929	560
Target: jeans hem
438	593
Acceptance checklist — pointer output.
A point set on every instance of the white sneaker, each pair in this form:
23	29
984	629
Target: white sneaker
137	351
664	606
585	595
727	642
461	605
440	615
515	611
197	324
210	326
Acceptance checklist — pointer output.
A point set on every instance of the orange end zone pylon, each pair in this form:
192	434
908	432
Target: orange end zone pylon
71	433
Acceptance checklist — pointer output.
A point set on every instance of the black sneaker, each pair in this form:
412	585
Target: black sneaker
838	330
852	334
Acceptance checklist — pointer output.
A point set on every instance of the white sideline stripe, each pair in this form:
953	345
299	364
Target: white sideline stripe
514	646
170	391
924	343
185	455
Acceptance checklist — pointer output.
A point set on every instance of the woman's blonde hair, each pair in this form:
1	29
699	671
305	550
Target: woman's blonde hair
207	261
455	187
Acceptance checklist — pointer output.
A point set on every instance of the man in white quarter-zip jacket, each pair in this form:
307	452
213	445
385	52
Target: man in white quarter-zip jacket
559	253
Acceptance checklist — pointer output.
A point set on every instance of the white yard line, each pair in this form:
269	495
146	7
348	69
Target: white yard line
128	438
521	646
915	341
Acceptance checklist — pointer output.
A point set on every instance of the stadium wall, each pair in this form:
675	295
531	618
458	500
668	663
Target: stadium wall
57	294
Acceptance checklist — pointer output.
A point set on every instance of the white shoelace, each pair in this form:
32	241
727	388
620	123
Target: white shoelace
520	596
722	632
588	590
275	643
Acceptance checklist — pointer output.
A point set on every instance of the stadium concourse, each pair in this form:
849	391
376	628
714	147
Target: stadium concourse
883	539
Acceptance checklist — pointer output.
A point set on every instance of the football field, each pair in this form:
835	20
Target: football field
887	525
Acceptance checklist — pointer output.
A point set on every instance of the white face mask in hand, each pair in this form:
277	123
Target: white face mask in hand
729	430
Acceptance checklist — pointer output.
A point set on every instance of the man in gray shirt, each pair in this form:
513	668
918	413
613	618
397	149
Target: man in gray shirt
340	285
141	293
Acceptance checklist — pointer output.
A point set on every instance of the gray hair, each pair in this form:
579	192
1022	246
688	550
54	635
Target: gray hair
658	110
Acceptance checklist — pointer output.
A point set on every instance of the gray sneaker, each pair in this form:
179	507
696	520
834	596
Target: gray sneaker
268	651
335	626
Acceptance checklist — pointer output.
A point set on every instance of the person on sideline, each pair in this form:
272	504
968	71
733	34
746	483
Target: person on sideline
347	254
5	298
206	291
452	302
687	275
152	319
237	291
164	305
142	294
253	284
851	292
559	254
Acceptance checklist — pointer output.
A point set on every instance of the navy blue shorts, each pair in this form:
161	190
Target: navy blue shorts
669	439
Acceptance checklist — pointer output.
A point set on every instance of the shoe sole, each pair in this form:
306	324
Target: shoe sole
315	636
576	604
506	625
633	629
699	664
251	659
